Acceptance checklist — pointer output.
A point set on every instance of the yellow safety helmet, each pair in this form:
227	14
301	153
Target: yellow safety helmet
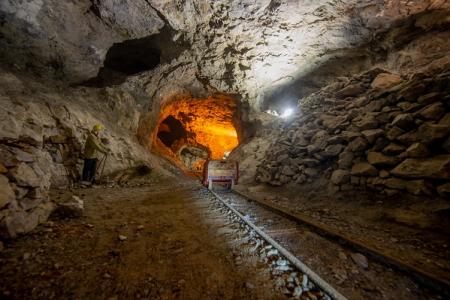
97	127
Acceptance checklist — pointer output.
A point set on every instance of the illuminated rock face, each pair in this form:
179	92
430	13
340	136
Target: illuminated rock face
191	130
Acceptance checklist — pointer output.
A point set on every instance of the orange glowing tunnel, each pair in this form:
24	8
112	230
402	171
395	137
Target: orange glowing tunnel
191	130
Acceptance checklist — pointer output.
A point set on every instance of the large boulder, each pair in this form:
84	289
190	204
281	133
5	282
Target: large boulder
433	112
404	121
71	208
416	150
20	221
429	133
364	169
393	149
340	177
6	193
444	190
351	90
372	134
379	159
24	175
437	167
357	145
385	81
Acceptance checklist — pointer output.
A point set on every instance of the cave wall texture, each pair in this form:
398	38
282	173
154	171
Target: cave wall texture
59	76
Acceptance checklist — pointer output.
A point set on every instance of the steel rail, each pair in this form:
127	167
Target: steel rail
426	278
322	284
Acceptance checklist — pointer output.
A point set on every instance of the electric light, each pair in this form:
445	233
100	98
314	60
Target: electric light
287	113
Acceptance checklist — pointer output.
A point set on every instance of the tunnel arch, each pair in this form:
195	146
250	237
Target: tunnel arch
190	130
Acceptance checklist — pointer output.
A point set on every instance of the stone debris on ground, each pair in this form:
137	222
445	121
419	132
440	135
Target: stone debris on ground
386	143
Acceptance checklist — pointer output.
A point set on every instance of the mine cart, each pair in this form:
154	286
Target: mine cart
222	171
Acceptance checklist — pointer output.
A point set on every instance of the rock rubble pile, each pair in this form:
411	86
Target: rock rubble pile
377	131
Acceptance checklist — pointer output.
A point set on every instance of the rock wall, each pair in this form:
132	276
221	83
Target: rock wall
377	130
68	40
44	126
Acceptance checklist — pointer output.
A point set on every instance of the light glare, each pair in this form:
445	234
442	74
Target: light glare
287	112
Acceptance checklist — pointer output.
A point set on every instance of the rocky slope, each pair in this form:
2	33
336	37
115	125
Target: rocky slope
377	130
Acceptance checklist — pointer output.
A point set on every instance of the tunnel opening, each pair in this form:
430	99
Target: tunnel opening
170	131
191	130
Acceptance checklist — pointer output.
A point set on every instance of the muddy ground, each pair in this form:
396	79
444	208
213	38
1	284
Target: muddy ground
158	241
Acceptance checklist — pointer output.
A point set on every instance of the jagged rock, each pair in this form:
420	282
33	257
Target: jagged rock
58	139
21	155
332	151
300	179
281	158
429	133
429	98
309	162
345	160
416	150
433	112
357	145
72	208
28	203
367	122
332	122
372	134
351	91
337	139
3	169
384	174
412	92
419	187
395	183
409	138
379	159
445	120
437	167
364	169
444	190
404	121
340	177
19	221
360	260
24	175
350	135
320	138
287	170
6	193
311	172
284	179
393	149
394	132
385	81
19	191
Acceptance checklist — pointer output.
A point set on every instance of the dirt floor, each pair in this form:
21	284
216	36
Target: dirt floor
158	241
413	230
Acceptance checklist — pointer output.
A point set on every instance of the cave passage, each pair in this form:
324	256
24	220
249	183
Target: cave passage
191	130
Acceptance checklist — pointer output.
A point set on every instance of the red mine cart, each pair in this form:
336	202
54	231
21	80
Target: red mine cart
224	171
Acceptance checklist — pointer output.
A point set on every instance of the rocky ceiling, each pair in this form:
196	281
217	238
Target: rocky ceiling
270	52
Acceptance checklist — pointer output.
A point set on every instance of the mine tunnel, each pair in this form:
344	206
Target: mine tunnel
197	149
191	130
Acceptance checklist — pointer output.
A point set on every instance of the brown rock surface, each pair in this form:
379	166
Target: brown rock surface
437	167
364	169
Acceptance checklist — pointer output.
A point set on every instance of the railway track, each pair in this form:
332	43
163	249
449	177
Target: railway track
286	231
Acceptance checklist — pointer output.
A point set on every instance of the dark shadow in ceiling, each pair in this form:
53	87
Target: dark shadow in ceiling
134	56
